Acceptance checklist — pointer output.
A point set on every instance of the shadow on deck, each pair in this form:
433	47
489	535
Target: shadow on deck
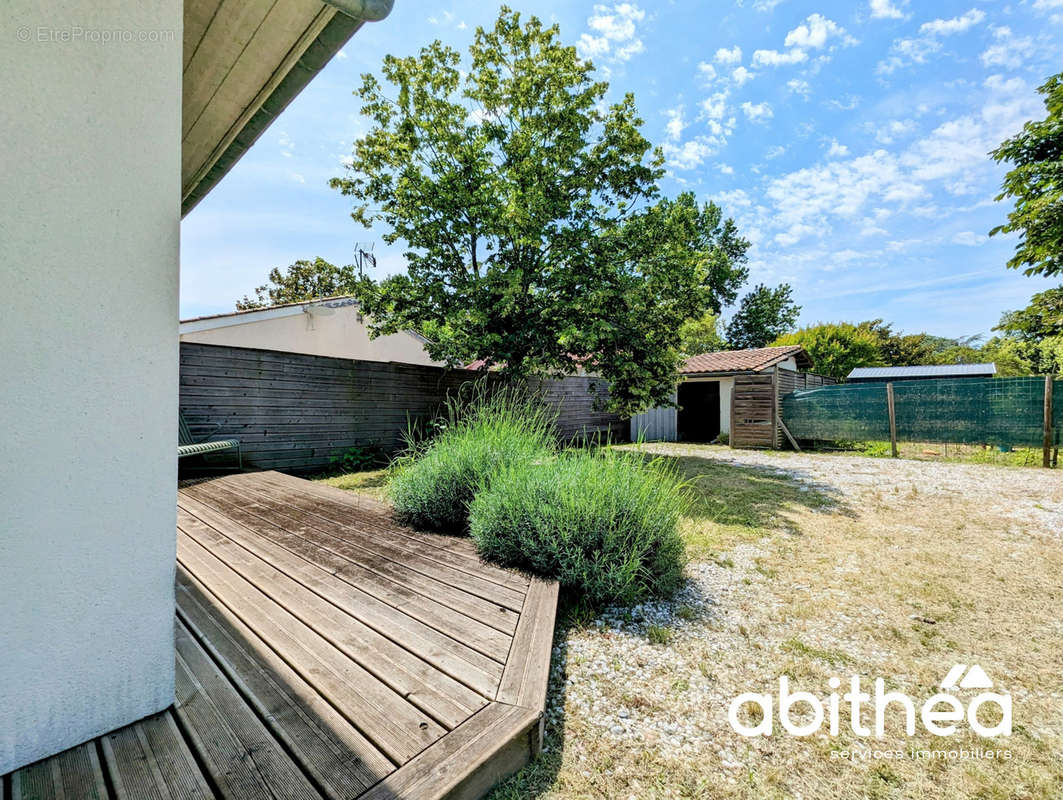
325	652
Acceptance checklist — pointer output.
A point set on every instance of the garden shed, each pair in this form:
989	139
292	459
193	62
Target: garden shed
732	393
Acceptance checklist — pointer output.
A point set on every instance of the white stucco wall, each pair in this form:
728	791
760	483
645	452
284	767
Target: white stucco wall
341	334
89	217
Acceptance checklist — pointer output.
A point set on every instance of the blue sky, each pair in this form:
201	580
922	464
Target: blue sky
847	139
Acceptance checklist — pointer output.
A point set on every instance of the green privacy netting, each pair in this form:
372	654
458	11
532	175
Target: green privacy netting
1000	411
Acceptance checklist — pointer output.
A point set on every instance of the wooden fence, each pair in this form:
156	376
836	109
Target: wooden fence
756	408
296	412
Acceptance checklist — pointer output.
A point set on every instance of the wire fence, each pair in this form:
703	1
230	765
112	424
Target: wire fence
998	411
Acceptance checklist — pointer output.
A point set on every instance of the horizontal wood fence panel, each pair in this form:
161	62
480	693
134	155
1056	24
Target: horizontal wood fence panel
297	412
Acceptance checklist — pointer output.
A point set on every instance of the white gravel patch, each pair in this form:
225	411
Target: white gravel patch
610	681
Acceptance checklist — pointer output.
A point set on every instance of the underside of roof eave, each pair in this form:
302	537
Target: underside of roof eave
255	120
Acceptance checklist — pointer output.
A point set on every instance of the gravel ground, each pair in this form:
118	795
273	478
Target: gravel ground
639	697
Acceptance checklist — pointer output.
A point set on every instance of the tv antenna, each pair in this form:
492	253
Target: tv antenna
363	257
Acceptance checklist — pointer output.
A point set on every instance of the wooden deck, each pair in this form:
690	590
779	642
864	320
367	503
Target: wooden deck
325	652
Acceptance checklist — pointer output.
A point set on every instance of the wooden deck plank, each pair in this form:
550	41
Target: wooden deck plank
336	504
374	572
285	508
243	759
436	692
329	503
466	762
149	760
391	721
527	670
469	649
342	762
74	774
324	652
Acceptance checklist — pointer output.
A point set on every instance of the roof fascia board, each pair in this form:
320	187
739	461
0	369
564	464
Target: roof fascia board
192	326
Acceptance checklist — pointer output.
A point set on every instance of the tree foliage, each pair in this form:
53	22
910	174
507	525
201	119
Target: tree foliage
1042	318
836	348
897	349
702	335
763	315
1036	184
536	236
303	280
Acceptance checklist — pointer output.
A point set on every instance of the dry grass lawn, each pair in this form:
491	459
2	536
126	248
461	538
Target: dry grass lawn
816	566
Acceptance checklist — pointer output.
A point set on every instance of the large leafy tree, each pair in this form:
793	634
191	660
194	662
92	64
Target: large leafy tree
702	335
763	315
837	348
1036	184
536	236
303	280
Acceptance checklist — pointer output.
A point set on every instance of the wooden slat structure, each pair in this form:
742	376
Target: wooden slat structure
325	652
756	404
295	412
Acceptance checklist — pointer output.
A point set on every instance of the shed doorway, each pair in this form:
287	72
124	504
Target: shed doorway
699	411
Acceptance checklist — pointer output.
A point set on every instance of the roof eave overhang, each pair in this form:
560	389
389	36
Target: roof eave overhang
307	56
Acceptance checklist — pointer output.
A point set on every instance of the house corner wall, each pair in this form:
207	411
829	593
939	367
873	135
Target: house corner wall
89	232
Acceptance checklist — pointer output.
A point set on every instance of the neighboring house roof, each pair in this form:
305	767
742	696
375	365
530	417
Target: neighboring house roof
755	360
925	371
212	321
243	63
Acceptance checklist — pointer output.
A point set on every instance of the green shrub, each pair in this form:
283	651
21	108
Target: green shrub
433	486
604	524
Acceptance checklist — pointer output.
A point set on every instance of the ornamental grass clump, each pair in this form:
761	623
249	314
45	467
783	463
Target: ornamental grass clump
604	524
433	487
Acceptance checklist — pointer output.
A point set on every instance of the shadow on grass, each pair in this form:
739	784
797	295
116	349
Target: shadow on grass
750	497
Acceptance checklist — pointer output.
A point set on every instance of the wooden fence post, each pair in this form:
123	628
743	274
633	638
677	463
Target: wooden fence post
1046	456
893	419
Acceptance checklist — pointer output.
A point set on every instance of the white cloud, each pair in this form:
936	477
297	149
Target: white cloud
1046	5
725	56
715	106
298	178
341	55
837	149
773	58
884	9
918	49
691	153
757	112
774	152
676	124
947	27
733	197
741	76
887	133
707	72
840	188
797	86
725	169
592	46
765	5
969	239
614	32
815	31
1010	51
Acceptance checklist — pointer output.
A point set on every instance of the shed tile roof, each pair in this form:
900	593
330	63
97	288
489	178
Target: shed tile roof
754	360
